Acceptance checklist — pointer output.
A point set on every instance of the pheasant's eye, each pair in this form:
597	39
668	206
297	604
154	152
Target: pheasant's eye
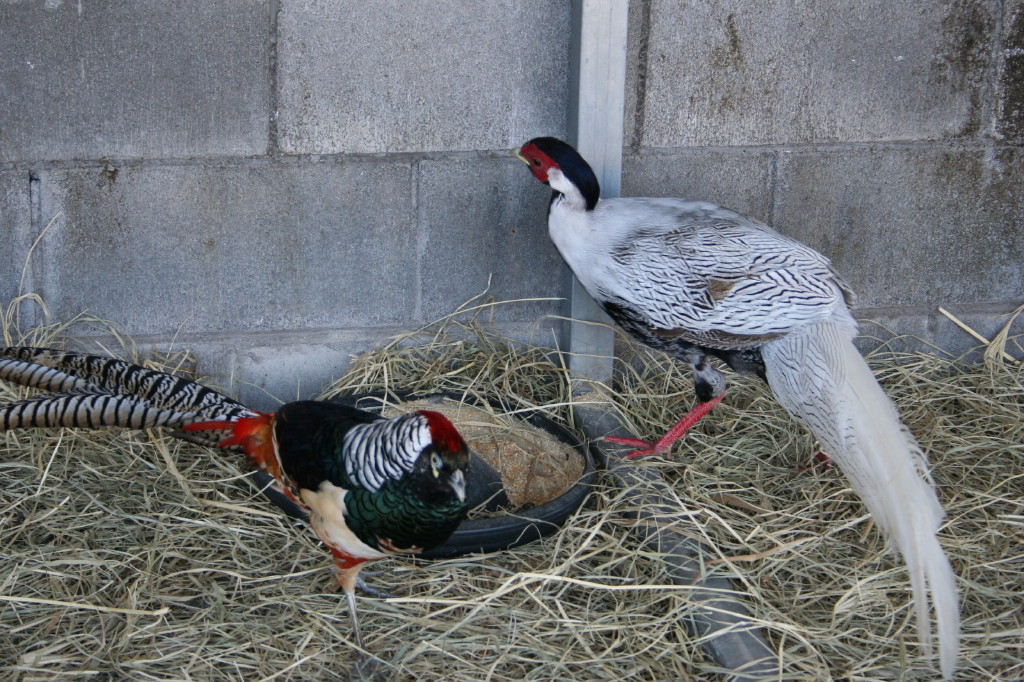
535	162
436	463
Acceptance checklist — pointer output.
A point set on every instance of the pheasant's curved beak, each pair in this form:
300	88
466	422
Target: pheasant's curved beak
459	485
518	153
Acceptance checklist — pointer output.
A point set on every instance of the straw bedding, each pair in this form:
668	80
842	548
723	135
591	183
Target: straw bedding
133	555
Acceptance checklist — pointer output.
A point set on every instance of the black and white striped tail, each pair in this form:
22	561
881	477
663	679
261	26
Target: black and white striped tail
95	391
59	371
88	410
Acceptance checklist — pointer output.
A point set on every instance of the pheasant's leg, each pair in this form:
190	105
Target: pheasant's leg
347	572
708	383
348	576
674	434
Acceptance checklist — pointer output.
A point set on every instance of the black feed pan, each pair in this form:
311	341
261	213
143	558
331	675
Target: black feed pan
493	533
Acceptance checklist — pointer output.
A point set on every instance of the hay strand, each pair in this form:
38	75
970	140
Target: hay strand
112	564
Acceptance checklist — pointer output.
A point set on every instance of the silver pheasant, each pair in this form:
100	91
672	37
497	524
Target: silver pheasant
697	280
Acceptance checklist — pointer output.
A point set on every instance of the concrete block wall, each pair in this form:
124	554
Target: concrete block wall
277	185
887	135
280	185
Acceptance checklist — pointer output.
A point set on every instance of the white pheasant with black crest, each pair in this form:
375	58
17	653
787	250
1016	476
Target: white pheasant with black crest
697	280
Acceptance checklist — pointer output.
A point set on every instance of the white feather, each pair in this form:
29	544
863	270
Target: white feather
818	375
659	257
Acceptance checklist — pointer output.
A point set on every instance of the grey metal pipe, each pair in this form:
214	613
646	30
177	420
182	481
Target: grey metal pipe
718	616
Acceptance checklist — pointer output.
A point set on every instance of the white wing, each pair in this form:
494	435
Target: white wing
705	269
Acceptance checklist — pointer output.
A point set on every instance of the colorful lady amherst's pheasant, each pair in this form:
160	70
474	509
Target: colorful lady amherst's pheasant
371	487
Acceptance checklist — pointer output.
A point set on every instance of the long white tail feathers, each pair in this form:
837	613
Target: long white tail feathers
818	375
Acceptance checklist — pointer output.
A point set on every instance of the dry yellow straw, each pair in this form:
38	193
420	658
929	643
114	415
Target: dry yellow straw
115	566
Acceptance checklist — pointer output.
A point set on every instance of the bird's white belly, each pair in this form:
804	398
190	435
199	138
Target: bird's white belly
327	518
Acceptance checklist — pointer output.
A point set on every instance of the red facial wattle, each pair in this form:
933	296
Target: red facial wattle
539	162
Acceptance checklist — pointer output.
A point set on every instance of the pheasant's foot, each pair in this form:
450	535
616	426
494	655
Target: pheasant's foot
820	458
643	447
347	576
620	440
368	667
664	443
365	587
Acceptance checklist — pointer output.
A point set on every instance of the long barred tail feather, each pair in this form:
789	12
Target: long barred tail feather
32	375
64	371
88	410
93	391
818	375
